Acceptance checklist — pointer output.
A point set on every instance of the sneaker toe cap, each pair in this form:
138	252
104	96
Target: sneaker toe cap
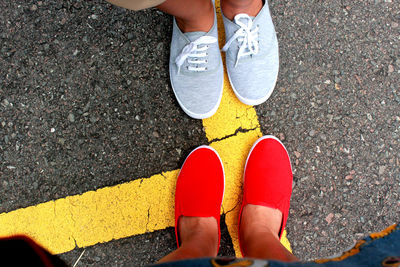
198	98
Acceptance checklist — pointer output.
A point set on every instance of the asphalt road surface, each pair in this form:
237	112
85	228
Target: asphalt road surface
85	103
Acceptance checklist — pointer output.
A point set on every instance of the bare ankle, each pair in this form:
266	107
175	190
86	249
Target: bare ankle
200	234
230	8
202	21
198	239
259	234
260	220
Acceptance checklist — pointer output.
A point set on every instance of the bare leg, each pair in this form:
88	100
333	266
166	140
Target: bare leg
199	238
259	230
231	8
193	15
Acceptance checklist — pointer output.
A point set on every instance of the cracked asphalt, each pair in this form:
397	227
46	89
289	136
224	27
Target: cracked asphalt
85	102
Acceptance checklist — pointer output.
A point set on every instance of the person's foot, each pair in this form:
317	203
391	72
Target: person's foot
260	219
198	199
231	8
252	54
266	192
200	233
196	70
202	22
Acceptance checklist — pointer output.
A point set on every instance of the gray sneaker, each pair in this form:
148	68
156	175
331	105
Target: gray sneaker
252	56
196	71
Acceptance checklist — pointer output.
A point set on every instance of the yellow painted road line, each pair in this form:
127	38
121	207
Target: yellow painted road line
133	208
143	205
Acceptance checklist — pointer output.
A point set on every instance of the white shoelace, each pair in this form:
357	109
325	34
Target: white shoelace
196	52
246	36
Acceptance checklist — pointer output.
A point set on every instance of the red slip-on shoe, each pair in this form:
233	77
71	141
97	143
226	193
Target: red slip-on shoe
268	178
200	187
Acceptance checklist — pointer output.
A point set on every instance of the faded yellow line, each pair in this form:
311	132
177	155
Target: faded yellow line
137	207
143	205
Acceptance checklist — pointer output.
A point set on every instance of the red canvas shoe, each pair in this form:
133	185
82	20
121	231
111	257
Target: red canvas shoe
200	187
268	178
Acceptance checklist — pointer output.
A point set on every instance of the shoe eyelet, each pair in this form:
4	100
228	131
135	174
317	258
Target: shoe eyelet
206	68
